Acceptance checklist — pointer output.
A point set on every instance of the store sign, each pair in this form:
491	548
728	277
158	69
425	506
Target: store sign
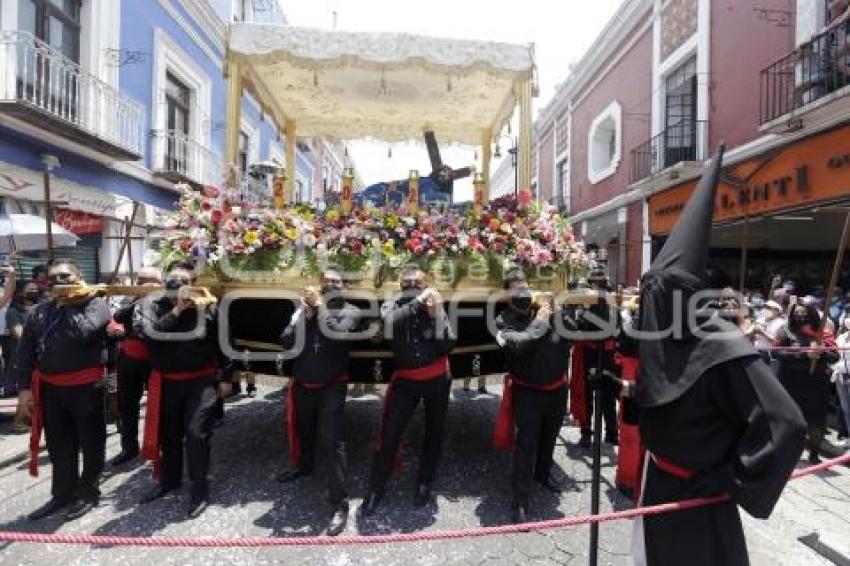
25	184
79	223
812	170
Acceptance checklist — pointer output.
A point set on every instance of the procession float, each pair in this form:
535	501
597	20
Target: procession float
259	257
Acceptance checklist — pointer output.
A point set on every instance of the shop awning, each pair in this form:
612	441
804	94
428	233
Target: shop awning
387	86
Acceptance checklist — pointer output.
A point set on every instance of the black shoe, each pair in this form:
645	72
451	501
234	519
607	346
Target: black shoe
79	508
196	507
370	504
123	457
519	514
339	520
155	493
46	510
552	485
814	459
586	440
611	439
422	495
251	390
291	475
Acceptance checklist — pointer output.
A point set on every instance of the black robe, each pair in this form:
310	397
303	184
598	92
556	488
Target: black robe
742	434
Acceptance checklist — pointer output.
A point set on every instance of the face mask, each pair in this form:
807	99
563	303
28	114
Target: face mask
798	320
32	296
522	300
408	286
758	302
174	283
332	295
61	279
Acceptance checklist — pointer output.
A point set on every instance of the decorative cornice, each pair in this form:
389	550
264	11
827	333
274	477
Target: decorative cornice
610	38
203	13
193	34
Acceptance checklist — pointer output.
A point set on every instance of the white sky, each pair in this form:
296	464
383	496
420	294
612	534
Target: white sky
562	30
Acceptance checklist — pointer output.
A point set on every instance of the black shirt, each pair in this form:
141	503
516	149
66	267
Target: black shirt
416	339
62	339
324	355
196	349
535	351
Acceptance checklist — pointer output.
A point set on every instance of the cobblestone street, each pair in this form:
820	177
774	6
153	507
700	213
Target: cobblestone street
472	491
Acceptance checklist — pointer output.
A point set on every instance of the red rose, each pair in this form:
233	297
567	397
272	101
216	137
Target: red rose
418	250
205	206
416	234
357	247
216	216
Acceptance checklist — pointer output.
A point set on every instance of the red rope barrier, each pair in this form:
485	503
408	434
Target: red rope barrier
201	542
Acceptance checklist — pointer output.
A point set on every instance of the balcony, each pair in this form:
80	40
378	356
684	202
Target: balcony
684	142
42	87
810	80
181	159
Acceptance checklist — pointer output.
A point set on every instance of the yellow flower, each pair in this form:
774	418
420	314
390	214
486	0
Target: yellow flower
307	214
251	237
391	221
291	233
506	228
332	215
388	248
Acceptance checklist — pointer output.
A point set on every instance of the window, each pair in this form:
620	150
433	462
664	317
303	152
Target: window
604	143
680	113
55	22
177	97
562	187
244	151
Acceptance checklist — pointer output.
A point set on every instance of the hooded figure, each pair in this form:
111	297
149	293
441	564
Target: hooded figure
713	417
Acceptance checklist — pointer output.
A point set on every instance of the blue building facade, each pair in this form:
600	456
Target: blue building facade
121	100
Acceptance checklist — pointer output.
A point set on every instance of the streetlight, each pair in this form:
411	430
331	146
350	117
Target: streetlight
512	151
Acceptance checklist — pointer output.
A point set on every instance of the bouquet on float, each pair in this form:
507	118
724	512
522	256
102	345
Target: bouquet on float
236	237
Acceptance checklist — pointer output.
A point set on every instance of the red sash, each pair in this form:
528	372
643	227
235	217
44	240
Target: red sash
150	438
292	415
578	379
631	451
436	369
504	433
69	379
135	349
672	468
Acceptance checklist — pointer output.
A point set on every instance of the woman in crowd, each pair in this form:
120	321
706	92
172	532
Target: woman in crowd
805	373
841	372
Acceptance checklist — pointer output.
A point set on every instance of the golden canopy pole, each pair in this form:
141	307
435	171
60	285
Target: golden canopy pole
479	194
524	94
486	153
413	192
234	112
745	246
291	141
346	200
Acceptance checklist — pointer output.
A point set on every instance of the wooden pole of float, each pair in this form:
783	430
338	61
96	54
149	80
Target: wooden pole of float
524	99
291	141
48	214
233	110
833	281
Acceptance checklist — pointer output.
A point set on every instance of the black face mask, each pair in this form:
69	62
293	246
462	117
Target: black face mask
522	300
799	321
332	295
61	279
32	296
174	283
409	287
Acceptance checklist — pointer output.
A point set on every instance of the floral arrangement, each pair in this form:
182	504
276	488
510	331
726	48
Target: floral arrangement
239	238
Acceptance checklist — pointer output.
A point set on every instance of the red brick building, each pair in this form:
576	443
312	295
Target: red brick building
663	84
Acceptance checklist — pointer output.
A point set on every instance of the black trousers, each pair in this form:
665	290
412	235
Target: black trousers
539	416
132	376
323	410
187	413
74	422
609	390
401	404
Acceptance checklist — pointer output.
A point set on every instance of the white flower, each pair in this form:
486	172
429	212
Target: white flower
310	240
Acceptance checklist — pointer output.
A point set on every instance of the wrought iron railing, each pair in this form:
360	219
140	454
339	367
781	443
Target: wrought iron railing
684	141
34	74
177	155
812	71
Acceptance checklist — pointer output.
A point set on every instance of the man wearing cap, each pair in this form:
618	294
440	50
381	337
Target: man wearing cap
420	338
59	366
595	353
325	324
188	372
712	416
133	366
534	399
